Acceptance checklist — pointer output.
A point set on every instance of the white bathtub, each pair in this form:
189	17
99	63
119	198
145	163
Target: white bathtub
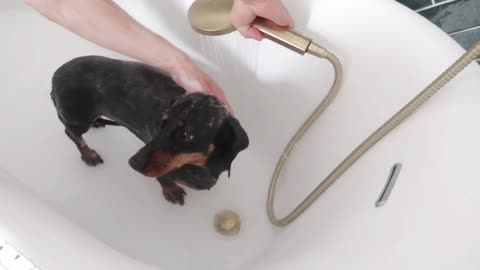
64	215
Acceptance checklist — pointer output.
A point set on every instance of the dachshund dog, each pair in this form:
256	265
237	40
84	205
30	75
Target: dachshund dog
190	138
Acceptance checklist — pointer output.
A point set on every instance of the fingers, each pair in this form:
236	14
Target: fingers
187	75
218	92
193	79
245	12
276	12
249	31
253	33
242	16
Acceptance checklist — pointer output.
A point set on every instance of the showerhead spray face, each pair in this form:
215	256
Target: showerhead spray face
211	17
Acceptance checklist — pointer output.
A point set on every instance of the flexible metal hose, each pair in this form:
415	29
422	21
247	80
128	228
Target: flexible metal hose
376	136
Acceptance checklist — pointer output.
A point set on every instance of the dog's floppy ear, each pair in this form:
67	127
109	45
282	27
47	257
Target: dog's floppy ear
139	161
240	138
230	140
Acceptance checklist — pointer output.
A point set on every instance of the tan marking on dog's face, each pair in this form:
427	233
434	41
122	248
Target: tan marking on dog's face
161	164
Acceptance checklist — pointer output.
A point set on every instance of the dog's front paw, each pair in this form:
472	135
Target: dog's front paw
174	194
91	158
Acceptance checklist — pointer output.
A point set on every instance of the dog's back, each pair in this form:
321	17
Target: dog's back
130	93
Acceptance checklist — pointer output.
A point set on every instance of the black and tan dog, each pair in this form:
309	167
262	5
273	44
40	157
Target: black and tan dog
190	138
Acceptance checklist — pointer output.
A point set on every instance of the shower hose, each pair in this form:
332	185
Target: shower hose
376	136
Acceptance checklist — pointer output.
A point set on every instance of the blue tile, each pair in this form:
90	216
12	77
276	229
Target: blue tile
455	16
416	4
468	38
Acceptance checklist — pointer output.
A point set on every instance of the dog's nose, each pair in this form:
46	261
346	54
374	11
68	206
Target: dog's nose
136	164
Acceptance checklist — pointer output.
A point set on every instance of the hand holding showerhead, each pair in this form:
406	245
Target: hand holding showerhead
244	13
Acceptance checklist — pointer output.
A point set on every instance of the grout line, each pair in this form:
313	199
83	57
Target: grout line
433	2
465	30
435	5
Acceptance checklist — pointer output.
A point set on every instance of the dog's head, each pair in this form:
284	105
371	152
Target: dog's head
198	130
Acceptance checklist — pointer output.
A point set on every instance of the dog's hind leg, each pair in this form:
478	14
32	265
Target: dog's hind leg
77	110
89	156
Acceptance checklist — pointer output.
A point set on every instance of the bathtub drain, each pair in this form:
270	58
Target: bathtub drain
227	222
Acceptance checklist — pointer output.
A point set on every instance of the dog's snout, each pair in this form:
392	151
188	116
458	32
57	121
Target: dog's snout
136	164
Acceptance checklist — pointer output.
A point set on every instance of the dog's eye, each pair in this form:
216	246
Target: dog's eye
187	135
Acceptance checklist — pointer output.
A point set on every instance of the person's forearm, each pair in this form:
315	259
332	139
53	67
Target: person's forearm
106	24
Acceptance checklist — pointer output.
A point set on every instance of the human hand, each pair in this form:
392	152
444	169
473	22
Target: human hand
244	13
116	30
186	74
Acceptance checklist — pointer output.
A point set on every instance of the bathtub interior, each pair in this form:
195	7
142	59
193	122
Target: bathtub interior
133	218
272	91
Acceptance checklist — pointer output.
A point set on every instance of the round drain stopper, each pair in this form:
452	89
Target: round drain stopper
227	222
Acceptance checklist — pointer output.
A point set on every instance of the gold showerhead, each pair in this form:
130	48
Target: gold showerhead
212	18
